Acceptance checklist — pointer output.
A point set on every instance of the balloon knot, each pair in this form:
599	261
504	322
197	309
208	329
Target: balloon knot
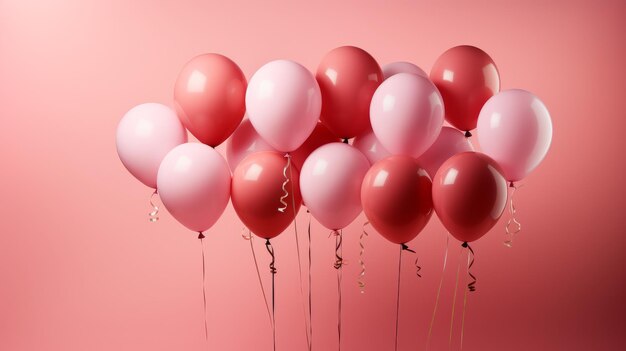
464	244
201	235
468	134
512	185
345	140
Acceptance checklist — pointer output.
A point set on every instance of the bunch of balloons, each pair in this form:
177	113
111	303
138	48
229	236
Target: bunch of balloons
294	146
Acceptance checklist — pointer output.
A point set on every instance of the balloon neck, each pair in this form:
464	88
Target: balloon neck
512	185
468	134
345	140
201	235
405	247
464	244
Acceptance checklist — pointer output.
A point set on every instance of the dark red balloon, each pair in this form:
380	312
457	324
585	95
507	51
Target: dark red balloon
209	96
466	78
397	199
320	136
469	195
256	191
348	77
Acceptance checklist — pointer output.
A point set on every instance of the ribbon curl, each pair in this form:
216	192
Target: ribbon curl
513	226
361	276
284	186
471	286
153	216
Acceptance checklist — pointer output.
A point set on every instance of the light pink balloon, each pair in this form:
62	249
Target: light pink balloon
515	129
407	114
394	68
144	136
330	183
244	141
194	185
450	142
370	147
284	103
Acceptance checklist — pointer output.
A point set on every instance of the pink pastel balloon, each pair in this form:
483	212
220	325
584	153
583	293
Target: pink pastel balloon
515	129
144	136
450	142
244	141
194	185
284	103
394	68
330	183
407	114
370	147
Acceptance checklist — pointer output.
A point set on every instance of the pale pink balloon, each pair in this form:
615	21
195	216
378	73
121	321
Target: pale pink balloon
370	147
330	183
407	114
394	68
450	142
515	129
144	136
194	185
244	141
284	103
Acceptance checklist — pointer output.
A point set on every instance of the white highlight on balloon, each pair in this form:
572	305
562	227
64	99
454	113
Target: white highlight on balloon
450	176
196	82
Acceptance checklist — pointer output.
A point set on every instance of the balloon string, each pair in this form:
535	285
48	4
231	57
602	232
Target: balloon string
443	271
310	290
338	266
361	278
270	249
206	327
402	248
470	287
456	286
284	186
249	237
513	226
307	320
153	216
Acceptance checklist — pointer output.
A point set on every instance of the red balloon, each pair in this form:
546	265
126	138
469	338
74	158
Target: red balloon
256	192
466	78
469	194
397	199
320	136
348	77
209	96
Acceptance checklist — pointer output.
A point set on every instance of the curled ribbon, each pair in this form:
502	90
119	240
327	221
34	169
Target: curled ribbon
471	286
513	226
338	259
361	278
284	187
153	216
417	266
270	249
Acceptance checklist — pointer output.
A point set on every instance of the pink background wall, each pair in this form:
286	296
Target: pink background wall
82	269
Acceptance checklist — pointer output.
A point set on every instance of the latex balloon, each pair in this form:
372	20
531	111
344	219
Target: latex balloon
449	143
469	195
244	141
397	199
331	180
466	77
257	190
515	129
209	97
284	103
144	136
370	147
407	114
394	68
348	77
194	185
320	136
